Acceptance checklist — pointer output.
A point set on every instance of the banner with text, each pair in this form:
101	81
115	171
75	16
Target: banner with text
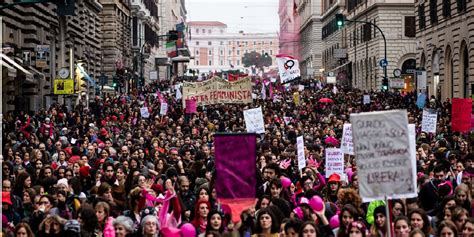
288	68
217	90
334	162
382	150
300	152
461	115
254	120
429	121
347	147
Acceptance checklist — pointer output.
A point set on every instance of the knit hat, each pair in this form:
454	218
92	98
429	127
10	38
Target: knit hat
379	210
63	181
72	226
6	198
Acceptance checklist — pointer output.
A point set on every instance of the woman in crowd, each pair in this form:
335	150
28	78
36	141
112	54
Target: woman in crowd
419	220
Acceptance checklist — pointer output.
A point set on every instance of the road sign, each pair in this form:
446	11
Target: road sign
410	71
383	63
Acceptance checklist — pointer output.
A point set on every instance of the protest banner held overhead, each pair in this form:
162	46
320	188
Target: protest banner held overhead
382	150
254	120
334	162
217	90
429	121
461	115
300	151
288	68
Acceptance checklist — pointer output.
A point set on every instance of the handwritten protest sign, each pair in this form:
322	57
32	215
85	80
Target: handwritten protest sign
366	99
429	121
461	115
412	136
217	90
254	120
191	106
300	150
144	112
382	150
288	68
347	147
163	108
334	161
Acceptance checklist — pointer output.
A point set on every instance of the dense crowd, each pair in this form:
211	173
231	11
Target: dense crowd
104	170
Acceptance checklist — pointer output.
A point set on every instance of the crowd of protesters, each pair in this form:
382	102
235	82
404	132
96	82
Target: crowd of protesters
104	170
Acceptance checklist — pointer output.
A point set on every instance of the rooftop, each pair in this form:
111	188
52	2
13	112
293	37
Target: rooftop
206	23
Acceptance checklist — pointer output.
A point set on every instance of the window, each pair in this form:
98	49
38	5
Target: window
367	31
209	31
433	11
197	52
222	52
461	5
209	42
222	31
222	42
197	42
271	42
271	51
210	62
246	43
197	31
238	62
421	16
446	8
375	30
410	26
255	43
238	43
203	31
263	52
263	42
230	52
197	62
238	52
246	51
230	62
210	51
230	42
222	62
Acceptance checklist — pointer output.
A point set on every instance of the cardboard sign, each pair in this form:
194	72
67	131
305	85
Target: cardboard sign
334	162
144	112
218	90
191	106
461	115
254	120
300	148
347	147
163	108
429	121
366	99
288	68
383	153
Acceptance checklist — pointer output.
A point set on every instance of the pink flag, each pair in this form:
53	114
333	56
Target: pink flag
191	106
159	95
461	114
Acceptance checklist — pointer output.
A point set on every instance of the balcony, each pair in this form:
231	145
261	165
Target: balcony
139	9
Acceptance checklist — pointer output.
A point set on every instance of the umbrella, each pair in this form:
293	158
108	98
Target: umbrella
326	100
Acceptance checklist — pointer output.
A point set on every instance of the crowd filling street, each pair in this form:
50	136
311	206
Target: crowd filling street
104	169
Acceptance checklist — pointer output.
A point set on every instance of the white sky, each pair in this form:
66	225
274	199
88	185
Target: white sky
256	16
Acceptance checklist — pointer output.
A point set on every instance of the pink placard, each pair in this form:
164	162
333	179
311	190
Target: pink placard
191	106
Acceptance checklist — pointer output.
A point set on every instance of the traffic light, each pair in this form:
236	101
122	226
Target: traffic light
114	83
339	20
385	84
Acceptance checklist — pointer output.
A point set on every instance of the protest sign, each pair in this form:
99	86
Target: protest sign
288	68
163	108
191	106
334	162
144	112
217	90
382	150
421	101
347	147
413	183
300	87
254	120
366	99
461	115
287	120
300	151
429	121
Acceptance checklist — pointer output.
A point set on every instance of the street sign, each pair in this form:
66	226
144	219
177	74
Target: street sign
397	83
383	63
410	71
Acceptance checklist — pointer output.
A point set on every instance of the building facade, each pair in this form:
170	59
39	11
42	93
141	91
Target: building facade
289	29
353	52
444	34
37	44
215	49
309	14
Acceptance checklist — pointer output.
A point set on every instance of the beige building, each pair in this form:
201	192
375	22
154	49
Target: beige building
353	54
35	47
444	34
215	49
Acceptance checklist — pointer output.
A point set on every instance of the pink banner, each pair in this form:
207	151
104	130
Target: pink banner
461	115
191	106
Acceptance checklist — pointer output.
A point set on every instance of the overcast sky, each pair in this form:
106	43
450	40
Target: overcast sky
259	16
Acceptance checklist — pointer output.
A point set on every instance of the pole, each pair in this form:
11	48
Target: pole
387	218
384	43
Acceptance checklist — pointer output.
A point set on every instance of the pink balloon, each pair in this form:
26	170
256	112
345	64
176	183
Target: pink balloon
298	212
285	182
317	203
334	222
188	230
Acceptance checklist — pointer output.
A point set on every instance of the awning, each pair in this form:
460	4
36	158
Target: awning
162	61
334	69
180	59
14	64
184	52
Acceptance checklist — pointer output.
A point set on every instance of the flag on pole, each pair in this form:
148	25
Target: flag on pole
264	93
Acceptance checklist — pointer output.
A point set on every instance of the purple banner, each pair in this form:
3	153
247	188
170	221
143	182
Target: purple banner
235	165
